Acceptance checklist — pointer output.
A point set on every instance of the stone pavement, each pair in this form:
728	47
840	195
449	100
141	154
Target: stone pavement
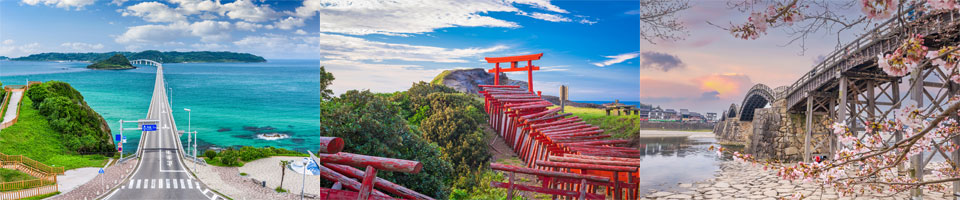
227	181
112	176
744	181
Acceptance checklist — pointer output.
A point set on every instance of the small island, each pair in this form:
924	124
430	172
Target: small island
4	58
117	61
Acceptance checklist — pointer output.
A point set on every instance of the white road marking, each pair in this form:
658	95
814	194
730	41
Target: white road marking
131	184
138	183
189	184
182	185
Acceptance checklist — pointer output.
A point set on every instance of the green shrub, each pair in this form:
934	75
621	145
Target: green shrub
81	128
370	124
210	154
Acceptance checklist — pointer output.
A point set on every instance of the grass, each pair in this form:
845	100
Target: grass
280	190
43	196
33	137
243	174
3	107
623	126
9	175
439	78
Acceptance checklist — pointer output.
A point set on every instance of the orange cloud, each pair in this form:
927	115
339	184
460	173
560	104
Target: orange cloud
728	85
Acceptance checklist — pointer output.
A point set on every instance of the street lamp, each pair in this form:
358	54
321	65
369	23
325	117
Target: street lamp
189	138
303	181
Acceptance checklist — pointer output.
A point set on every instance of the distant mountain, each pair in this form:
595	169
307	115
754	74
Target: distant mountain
4	58
164	57
117	61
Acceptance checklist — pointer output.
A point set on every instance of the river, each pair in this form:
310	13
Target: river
673	157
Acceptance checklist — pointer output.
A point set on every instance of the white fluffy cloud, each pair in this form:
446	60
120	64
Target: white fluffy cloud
340	47
154	12
415	16
81	47
65	4
617	59
10	48
207	31
247	11
376	77
247	26
290	23
549	17
192	7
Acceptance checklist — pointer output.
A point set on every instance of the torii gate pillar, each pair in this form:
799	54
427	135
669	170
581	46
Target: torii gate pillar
513	60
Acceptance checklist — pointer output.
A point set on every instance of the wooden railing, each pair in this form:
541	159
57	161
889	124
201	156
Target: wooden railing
25	184
32	163
30	192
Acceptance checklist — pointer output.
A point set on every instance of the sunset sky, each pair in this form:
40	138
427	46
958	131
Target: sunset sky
710	69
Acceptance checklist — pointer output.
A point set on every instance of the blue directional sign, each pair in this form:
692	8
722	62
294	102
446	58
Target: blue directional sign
117	137
101	170
148	127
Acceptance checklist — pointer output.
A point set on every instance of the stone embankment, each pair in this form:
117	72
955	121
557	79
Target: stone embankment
745	181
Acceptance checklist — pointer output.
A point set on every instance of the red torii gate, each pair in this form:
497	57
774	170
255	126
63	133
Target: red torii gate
513	60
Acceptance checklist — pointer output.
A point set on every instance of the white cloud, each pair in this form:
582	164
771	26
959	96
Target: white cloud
413	17
587	21
154	12
191	7
208	47
247	11
118	2
290	23
241	25
549	17
81	47
65	4
617	59
207	31
376	77
11	49
340	47
211	31
300	32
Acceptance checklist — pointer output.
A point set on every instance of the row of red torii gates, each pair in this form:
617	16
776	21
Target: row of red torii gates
571	158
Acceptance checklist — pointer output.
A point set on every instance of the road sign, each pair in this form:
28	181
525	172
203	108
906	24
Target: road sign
101	170
117	137
120	149
148	127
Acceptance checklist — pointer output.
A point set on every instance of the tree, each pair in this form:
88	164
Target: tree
283	170
658	19
326	79
868	163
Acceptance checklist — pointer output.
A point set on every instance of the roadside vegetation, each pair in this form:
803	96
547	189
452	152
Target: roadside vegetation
33	136
623	126
231	157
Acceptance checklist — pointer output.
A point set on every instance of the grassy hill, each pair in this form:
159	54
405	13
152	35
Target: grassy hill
34	137
625	126
117	61
164	57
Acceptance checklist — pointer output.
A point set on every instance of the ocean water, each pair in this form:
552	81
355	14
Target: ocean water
230	102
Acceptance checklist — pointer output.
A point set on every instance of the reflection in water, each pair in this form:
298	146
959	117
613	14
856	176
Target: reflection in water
668	161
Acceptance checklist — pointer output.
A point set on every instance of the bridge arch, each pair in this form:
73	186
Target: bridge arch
732	111
146	62
757	97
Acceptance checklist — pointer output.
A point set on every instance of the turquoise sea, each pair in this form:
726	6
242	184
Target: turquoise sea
231	102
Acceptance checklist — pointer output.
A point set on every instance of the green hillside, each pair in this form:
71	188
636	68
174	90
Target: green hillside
164	57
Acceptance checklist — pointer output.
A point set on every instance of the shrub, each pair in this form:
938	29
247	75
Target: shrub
210	154
82	129
371	125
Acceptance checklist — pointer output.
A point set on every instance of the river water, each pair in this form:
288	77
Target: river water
673	157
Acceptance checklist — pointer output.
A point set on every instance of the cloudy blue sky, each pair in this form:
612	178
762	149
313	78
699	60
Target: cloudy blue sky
384	46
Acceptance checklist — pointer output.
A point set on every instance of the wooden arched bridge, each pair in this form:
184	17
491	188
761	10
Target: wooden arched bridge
794	121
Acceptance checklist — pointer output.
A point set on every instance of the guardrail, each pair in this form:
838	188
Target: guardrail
829	63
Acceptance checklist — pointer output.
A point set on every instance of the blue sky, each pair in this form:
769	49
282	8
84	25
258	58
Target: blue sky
592	46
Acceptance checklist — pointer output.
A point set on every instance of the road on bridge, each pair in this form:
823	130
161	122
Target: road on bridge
161	174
